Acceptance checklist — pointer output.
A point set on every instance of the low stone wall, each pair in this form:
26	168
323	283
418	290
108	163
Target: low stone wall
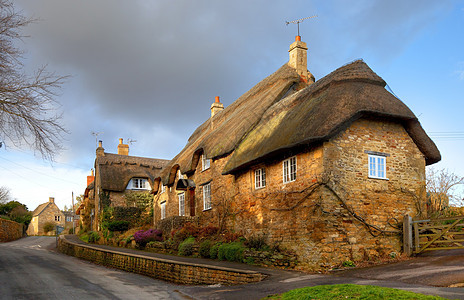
173	271
10	230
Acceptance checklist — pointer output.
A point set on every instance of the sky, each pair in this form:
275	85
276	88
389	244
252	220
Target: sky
148	71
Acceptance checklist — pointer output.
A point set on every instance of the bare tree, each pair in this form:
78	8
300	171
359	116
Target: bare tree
5	195
27	103
442	189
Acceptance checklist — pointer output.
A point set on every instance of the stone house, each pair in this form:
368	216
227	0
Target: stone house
86	209
45	213
325	168
118	175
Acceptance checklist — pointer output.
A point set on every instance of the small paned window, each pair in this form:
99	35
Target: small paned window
377	166
207	196
57	218
289	169
260	178
205	162
182	204
163	210
139	183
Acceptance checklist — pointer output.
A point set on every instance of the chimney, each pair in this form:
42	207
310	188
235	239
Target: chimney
100	150
51	200
123	149
299	61
216	107
90	178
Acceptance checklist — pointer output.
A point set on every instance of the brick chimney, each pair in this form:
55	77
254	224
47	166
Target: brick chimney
298	59
90	178
123	149
216	107
100	150
51	200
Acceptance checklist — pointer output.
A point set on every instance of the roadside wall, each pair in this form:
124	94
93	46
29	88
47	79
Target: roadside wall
177	272
10	230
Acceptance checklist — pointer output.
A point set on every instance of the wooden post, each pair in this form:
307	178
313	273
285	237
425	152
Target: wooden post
407	235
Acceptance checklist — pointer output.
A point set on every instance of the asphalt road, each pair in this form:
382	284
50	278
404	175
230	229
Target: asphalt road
31	269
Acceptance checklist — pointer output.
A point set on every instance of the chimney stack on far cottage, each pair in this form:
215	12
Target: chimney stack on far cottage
51	200
216	107
123	149
298	59
90	178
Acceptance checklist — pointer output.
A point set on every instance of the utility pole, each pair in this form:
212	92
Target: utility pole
74	226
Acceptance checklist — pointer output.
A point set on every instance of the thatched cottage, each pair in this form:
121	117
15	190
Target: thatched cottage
119	175
46	213
326	168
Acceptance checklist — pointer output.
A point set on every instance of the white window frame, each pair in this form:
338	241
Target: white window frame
377	166
138	182
205	162
207	196
163	188
163	210
260	178
181	197
289	168
180	175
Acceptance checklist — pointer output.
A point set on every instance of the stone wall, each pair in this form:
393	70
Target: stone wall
177	272
10	230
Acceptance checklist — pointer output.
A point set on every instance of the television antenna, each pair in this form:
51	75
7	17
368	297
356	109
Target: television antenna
96	134
297	22
130	141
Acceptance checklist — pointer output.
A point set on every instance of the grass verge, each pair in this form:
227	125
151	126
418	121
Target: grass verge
350	291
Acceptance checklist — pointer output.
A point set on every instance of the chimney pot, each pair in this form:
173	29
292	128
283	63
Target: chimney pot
297	38
100	144
120	141
217	99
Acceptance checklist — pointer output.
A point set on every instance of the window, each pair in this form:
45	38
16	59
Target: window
68	219
163	188
205	162
179	175
139	184
163	210
377	166
181	204
260	178
57	218
289	169
207	196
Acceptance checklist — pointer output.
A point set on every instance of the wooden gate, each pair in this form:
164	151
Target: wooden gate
433	234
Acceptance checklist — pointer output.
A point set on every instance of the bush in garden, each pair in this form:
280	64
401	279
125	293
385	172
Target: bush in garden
213	252
186	247
48	226
205	248
118	226
257	242
142	237
231	252
93	237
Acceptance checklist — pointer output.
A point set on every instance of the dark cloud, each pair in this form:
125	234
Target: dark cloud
149	70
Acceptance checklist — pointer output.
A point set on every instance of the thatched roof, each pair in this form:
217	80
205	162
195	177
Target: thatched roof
116	170
322	110
219	135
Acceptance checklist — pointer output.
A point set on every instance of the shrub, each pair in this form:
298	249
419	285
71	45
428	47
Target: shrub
213	252
186	247
48	226
93	237
231	252
118	226
70	231
142	237
208	231
256	242
205	248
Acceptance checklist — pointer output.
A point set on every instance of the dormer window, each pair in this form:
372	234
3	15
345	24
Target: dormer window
138	184
205	162
180	175
163	188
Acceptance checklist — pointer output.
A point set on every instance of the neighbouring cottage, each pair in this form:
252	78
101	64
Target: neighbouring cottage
326	168
86	209
118	176
45	213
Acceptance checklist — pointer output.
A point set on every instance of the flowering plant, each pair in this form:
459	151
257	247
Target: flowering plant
142	237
